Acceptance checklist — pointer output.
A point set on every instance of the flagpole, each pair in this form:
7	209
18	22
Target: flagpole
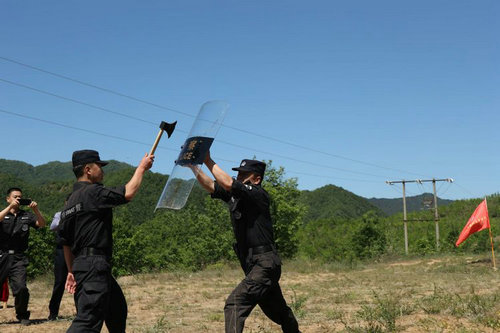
491	241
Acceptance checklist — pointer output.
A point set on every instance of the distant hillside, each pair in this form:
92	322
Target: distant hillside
332	201
50	183
49	172
413	204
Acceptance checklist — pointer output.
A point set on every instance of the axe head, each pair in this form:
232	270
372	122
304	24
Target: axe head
167	127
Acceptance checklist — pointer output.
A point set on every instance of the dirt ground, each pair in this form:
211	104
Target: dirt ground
441	294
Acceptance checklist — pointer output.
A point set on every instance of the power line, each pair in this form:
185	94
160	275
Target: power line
79	129
135	141
149	122
330	177
466	190
77	101
190	115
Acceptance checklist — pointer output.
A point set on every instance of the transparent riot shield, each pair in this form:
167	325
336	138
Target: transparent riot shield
193	152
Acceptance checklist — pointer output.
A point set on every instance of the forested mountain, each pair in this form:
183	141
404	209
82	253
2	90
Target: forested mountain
331	201
57	178
327	224
415	203
49	172
50	183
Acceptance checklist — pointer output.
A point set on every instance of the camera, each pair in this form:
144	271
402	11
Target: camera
24	202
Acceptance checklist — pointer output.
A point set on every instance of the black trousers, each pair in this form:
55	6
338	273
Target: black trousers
259	287
60	275
14	266
99	298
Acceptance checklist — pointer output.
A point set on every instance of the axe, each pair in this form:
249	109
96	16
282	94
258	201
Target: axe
169	128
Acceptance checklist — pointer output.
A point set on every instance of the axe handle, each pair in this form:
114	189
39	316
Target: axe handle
157	141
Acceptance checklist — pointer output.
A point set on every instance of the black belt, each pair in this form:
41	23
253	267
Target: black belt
91	251
261	249
11	251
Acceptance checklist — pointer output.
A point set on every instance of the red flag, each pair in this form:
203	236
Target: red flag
477	222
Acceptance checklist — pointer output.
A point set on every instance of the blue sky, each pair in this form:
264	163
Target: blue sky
351	93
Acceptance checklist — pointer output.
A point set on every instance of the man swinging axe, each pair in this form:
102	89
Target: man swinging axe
86	234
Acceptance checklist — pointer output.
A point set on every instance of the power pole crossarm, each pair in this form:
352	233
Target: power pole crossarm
436	215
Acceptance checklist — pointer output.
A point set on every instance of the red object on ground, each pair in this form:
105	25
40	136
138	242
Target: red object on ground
4	294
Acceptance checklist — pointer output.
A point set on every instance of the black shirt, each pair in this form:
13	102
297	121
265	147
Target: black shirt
86	220
14	230
250	215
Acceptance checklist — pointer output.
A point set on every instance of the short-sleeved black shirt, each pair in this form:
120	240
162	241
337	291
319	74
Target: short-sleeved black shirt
86	220
250	214
14	230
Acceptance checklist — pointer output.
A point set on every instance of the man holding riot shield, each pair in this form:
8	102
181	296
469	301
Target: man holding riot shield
255	248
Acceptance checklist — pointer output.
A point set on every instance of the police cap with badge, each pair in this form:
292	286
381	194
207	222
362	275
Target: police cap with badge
255	166
82	157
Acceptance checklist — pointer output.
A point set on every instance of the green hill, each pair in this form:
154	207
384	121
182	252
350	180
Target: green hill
416	203
330	223
332	201
49	172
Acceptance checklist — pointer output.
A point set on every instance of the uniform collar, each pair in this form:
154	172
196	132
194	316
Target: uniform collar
19	213
81	184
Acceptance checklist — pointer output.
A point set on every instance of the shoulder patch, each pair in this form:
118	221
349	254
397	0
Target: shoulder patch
72	210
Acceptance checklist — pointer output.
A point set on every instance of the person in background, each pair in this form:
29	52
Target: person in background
15	225
60	271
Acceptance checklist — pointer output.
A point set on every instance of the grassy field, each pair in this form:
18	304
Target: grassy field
433	294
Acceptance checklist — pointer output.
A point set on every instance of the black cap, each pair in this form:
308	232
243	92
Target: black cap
82	157
253	166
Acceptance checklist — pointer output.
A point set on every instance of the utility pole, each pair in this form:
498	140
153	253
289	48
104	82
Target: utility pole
436	215
405	222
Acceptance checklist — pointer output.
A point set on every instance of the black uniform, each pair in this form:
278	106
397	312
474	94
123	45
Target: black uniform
86	226
14	234
60	273
253	229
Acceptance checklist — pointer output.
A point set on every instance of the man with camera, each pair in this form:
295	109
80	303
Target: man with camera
14	233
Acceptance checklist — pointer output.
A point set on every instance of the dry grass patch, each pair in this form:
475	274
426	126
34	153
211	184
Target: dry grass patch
443	294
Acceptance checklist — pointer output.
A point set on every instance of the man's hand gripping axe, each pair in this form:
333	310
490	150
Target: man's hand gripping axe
169	128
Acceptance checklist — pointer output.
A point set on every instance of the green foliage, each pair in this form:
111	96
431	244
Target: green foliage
480	308
325	240
382	314
41	247
286	211
328	224
342	239
368	239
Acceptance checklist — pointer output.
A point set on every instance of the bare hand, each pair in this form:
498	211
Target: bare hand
147	161
14	203
70	283
33	205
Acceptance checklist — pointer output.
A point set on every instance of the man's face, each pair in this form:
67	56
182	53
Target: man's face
95	173
14	195
248	176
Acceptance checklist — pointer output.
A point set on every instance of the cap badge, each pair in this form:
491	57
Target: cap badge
243	163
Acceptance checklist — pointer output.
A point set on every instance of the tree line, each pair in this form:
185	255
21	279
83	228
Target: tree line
328	225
